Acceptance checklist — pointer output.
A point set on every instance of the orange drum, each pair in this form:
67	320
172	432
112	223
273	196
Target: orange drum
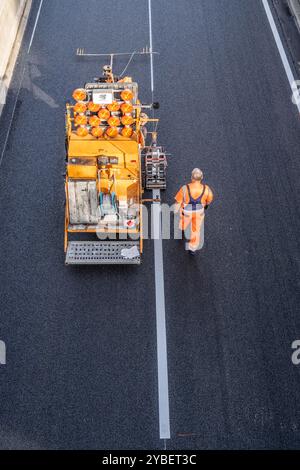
126	95
80	107
126	108
127	132
82	131
97	131
94	121
80	120
93	107
112	131
104	114
79	94
114	121
127	120
114	106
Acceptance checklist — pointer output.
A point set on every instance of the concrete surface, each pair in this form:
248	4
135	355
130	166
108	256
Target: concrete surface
295	10
81	342
13	18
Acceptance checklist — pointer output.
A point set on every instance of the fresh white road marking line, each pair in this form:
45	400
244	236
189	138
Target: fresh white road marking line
162	362
161	334
35	25
280	47
151	47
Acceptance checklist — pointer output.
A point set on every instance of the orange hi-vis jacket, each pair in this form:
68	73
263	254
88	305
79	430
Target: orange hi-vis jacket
196	189
192	199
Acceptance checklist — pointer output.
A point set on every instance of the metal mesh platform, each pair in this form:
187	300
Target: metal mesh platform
111	252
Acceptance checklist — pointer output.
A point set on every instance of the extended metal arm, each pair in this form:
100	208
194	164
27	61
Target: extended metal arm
146	50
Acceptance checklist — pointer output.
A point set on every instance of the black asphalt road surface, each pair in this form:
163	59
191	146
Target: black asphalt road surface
81	366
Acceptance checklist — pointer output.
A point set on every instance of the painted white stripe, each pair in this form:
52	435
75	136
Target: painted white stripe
161	334
162	361
151	46
281	50
35	25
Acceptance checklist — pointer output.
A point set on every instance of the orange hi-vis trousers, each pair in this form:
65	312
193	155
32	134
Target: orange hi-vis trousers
193	226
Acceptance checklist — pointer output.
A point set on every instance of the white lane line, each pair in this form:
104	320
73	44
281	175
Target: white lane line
35	25
280	47
151	47
161	334
162	361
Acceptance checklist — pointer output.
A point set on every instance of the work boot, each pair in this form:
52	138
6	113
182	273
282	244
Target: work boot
192	253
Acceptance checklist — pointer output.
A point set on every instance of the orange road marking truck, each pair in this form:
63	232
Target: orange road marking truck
108	166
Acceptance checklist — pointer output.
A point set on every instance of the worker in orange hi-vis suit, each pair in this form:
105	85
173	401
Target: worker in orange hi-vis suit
192	200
